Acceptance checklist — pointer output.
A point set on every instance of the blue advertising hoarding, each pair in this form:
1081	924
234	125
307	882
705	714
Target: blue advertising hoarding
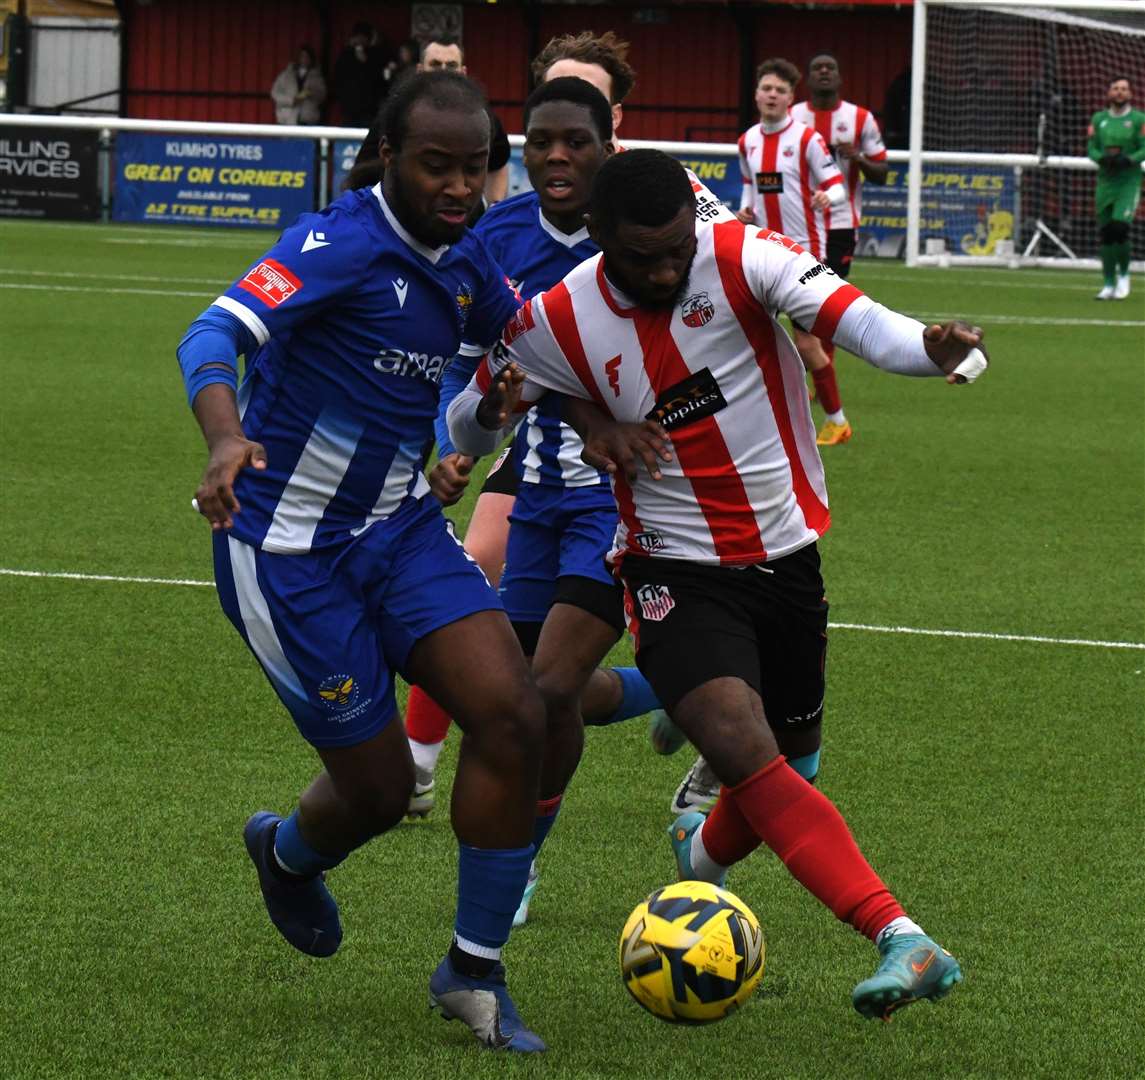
206	181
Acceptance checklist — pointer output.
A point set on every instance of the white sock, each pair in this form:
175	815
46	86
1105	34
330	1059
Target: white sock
837	418
471	947
703	865
901	925
425	755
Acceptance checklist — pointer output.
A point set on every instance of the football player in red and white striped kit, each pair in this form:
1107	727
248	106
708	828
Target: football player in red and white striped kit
668	347
790	184
853	137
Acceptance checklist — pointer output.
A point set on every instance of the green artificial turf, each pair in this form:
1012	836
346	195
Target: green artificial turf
995	784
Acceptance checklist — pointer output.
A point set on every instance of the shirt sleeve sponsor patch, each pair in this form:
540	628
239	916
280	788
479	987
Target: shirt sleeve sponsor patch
271	282
518	324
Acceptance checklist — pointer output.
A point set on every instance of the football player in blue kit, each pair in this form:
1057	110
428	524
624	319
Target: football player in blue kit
334	562
564	604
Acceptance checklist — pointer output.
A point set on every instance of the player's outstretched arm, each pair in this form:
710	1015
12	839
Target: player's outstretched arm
230	451
477	420
615	446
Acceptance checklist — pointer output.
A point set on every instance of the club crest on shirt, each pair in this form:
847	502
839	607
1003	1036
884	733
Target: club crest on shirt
655	602
789	151
697	310
464	300
338	692
649	540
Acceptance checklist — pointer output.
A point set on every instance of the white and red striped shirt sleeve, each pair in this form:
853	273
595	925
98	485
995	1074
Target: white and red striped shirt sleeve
824	172
785	278
871	139
747	197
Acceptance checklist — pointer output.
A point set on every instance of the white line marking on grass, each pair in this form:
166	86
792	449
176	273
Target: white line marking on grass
103	577
103	291
163	241
987	636
975	634
979	282
1032	320
96	275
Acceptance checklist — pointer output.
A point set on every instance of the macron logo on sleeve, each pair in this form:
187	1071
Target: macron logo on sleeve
271	282
314	240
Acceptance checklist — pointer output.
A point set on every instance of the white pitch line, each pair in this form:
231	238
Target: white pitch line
93	275
976	634
1037	639
977	283
1030	320
96	289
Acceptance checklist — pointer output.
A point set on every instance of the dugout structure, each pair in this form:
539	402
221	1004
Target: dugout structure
1001	97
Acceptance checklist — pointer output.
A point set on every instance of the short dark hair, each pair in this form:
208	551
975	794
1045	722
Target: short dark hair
362	29
309	49
577	92
442	89
446	40
1119	78
605	50
816	55
776	65
645	187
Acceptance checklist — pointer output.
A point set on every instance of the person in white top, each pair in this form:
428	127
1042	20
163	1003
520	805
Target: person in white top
669	348
790	182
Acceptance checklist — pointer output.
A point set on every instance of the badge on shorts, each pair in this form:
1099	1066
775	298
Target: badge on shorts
655	601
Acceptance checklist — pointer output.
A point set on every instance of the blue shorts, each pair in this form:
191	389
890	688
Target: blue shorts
554	533
330	627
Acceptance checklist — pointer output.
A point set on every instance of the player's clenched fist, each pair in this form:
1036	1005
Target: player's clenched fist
450	477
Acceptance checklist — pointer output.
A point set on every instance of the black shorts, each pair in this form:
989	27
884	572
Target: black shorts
765	624
502	477
840	250
606	602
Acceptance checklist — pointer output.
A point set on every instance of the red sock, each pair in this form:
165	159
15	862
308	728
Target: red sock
803	827
827	388
426	721
727	835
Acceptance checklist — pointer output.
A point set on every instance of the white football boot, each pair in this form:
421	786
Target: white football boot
1106	293
698	790
1121	289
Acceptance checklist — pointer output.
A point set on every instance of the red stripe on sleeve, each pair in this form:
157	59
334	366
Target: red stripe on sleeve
757	326
701	450
832	182
805	191
484	376
562	320
827	321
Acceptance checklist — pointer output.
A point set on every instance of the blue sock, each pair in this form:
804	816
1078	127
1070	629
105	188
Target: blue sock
637	697
807	766
296	855
490	884
547	810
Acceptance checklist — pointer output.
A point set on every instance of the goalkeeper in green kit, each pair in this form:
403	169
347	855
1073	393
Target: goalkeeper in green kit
1117	145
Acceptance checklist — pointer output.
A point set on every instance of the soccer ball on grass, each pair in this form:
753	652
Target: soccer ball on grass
691	953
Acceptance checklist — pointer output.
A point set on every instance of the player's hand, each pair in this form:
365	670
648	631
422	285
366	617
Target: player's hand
844	149
1113	151
746	215
820	201
215	498
956	348
449	478
501	399
616	447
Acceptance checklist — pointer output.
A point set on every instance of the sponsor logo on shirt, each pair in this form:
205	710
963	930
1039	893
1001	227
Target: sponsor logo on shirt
401	287
707	209
697	310
271	282
769	183
413	365
655	602
649	540
814	272
692	399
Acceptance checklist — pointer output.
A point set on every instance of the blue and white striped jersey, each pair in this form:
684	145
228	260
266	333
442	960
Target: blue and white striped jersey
536	255
355	322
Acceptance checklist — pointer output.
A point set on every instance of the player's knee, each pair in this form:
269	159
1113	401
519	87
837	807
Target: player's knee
515	724
378	806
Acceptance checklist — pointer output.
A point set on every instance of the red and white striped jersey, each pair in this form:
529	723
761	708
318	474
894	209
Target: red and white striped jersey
781	171
847	123
719	373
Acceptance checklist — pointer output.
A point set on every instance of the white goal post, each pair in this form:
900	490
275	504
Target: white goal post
1003	90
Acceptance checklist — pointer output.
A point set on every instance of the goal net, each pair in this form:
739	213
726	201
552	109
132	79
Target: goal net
1007	92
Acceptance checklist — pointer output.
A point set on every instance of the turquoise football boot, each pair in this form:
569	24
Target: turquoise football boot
914	968
680	833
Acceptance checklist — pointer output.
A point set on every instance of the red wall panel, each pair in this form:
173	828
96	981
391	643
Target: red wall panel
687	62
